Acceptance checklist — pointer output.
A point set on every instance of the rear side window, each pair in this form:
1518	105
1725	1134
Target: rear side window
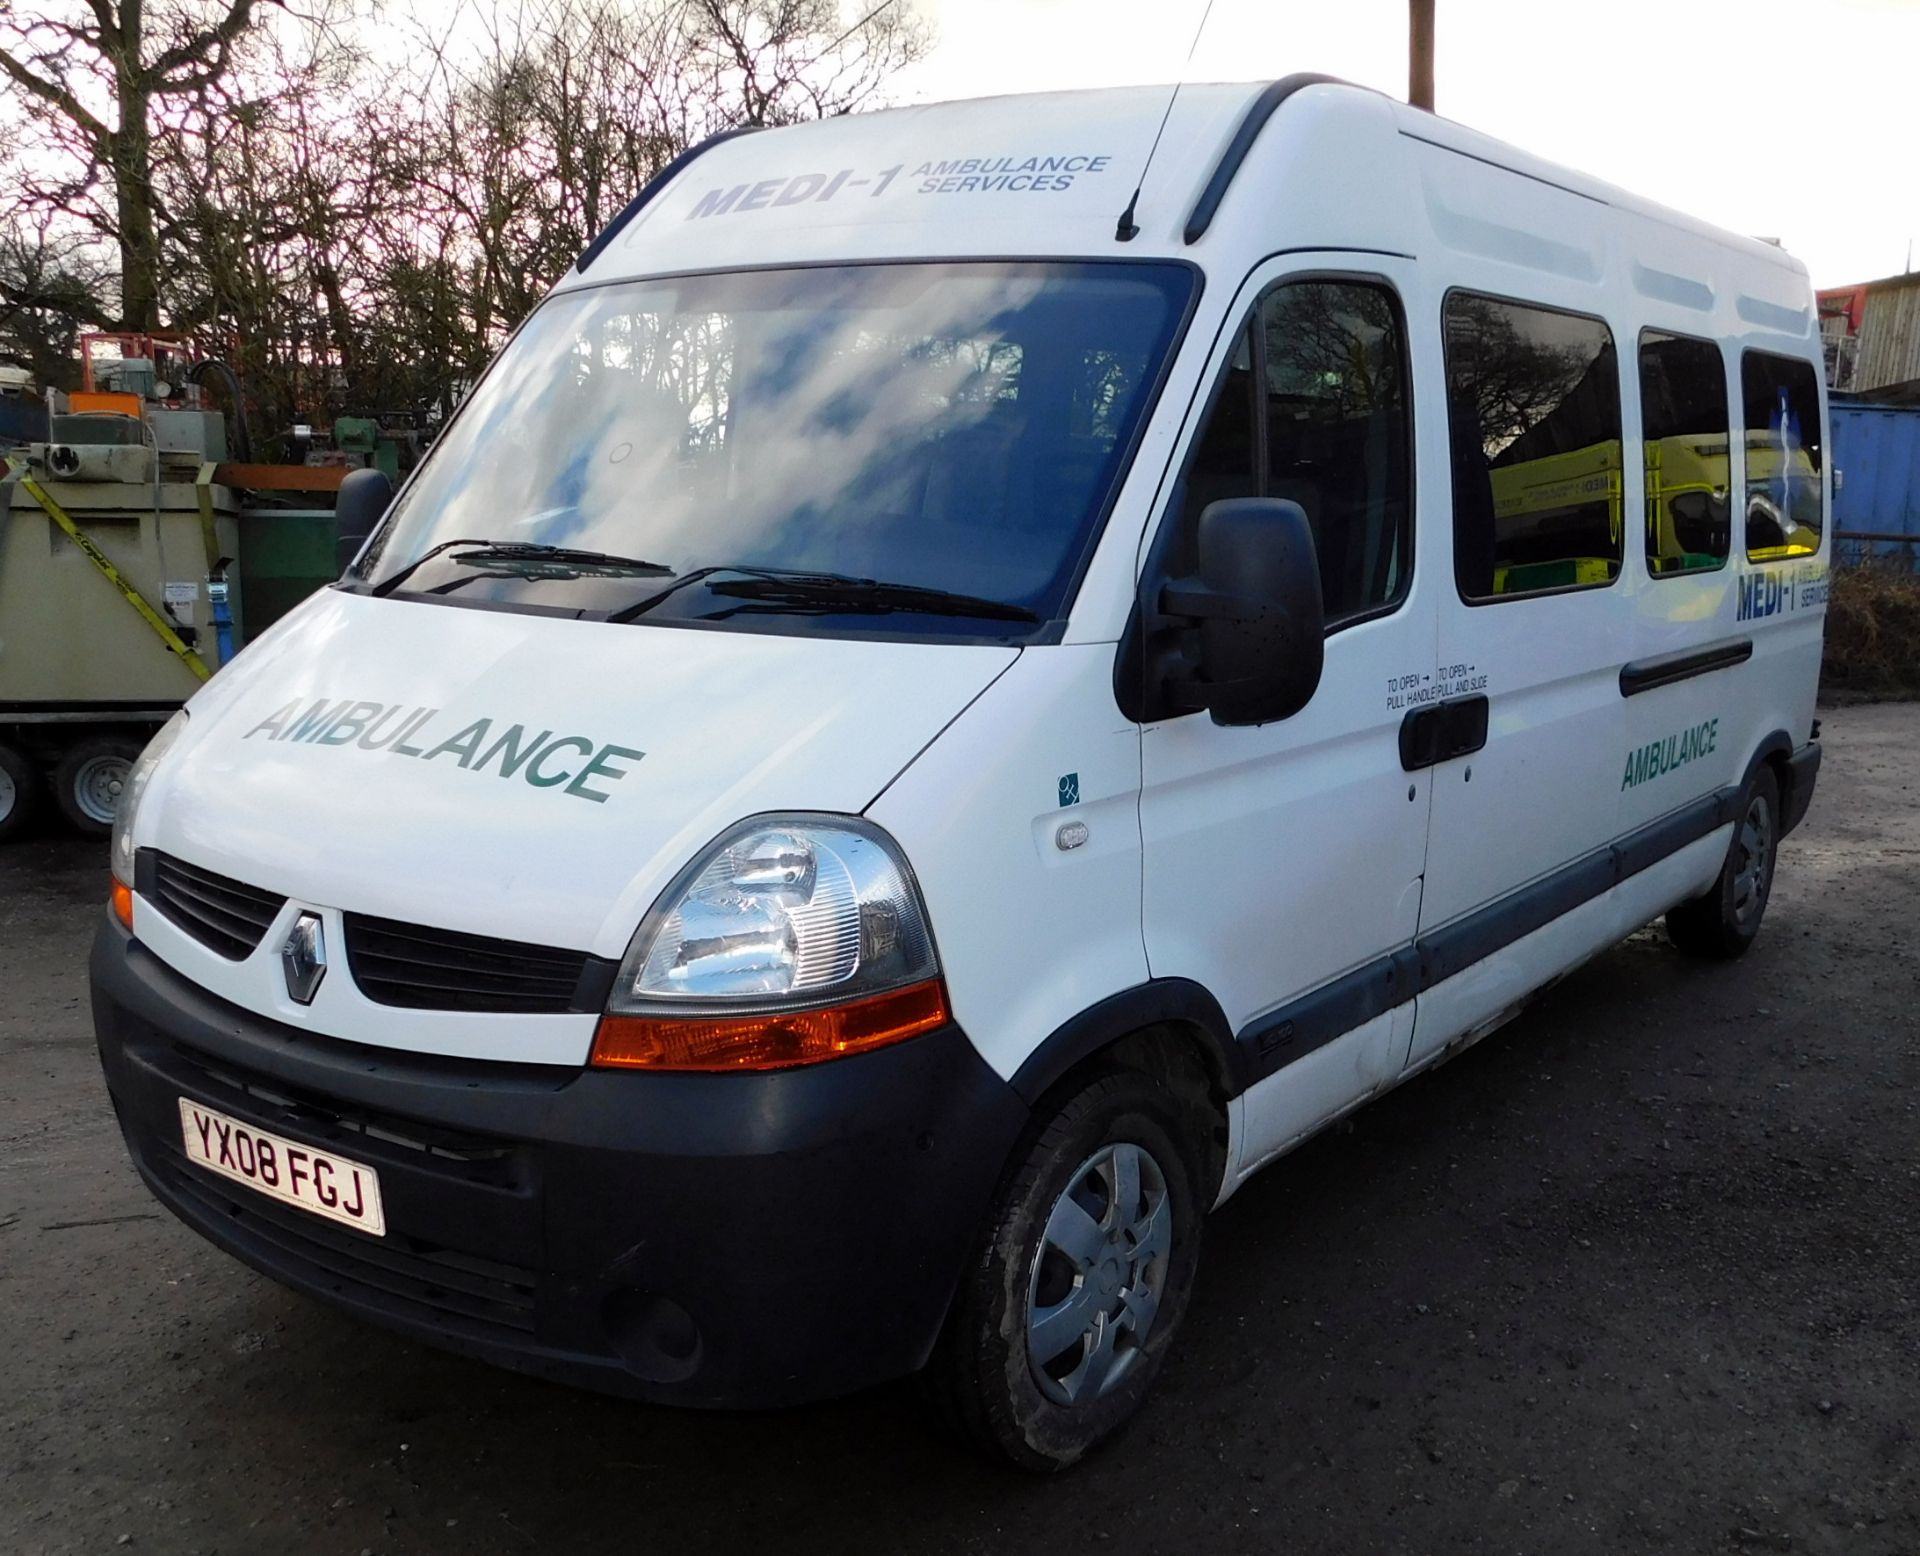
1314	409
1784	494
1683	423
1533	410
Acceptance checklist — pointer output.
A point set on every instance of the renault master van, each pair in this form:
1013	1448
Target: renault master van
955	691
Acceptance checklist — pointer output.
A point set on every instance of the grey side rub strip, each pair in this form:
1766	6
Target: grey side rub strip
1643	675
1277	1039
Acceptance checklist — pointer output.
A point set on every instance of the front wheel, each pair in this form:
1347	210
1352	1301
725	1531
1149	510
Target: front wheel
1073	1299
1723	921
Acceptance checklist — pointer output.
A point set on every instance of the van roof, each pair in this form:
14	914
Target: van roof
1053	173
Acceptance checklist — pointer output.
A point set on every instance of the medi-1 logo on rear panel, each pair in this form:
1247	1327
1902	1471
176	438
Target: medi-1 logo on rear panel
1779	592
545	760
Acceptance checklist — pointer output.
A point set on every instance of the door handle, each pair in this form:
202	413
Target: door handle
1436	734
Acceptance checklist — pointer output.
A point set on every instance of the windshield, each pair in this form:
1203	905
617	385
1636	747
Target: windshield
799	450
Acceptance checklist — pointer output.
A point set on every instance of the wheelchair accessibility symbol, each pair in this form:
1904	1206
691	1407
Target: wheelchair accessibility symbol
1070	789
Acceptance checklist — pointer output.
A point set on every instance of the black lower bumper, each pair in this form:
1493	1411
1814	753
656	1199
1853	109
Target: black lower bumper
716	1240
1803	769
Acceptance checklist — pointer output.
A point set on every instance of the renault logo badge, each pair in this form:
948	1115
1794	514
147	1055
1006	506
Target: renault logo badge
304	958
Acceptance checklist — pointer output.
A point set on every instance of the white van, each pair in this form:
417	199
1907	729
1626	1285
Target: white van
945	701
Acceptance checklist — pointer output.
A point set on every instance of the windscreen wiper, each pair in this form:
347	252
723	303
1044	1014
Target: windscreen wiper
498	551
803	590
838	592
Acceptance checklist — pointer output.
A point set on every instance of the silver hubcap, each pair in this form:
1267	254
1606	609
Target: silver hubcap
9	794
1753	863
1099	1275
97	786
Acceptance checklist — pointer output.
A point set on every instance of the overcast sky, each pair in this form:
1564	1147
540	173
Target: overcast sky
1790	119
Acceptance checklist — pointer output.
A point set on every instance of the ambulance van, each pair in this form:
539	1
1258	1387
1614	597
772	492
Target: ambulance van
959	687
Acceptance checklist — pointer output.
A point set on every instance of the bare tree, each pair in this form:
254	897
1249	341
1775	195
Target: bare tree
360	231
784	61
50	288
91	74
531	147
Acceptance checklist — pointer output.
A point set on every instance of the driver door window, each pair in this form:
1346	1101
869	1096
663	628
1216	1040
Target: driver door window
1314	409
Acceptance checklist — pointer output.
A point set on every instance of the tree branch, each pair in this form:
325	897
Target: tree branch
62	101
197	49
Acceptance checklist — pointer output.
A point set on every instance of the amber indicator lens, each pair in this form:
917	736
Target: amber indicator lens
771	1040
121	901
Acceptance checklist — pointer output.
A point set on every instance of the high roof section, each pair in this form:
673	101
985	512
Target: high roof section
1052	174
1045	174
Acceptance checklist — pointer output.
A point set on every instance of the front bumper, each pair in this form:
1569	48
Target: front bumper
716	1240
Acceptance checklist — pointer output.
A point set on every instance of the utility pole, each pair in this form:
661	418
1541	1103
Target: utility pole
1420	53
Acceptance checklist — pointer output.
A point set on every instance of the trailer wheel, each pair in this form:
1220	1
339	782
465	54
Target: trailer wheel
87	782
19	792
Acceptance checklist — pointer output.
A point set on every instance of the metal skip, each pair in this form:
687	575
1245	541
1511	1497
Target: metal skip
95	555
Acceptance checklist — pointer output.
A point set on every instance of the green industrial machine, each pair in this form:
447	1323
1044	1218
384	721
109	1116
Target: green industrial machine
363	438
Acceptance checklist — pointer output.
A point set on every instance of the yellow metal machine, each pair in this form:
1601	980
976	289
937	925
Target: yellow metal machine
121	569
104	602
107	591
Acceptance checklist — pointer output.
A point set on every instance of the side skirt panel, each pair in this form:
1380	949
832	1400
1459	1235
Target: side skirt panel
1290	1104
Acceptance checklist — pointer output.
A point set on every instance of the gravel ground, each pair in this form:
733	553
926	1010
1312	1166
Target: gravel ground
1639	1272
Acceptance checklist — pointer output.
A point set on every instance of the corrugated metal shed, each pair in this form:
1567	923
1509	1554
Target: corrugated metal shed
1876	450
1889	351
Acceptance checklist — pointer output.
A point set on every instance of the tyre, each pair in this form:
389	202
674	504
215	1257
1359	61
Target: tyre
1722	922
19	792
1071	1302
87	782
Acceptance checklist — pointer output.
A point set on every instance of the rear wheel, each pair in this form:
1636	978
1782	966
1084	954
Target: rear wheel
1066	1315
19	792
88	780
1722	922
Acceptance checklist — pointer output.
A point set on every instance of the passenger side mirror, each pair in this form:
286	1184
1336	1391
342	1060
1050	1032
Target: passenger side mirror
363	500
1256	642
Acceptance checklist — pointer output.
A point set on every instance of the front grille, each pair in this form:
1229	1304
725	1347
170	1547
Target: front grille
433	1282
440	969
473	1158
225	915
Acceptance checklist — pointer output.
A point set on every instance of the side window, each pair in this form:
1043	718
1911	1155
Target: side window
1224	464
1314	409
1337	434
1784	499
1533	412
1683	425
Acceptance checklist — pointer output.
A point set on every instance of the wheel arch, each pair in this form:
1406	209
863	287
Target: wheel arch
1775	752
1163	1027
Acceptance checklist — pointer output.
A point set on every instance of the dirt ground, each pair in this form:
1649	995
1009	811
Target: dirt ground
1640	1272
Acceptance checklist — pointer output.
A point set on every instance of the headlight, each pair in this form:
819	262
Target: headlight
794	939
122	845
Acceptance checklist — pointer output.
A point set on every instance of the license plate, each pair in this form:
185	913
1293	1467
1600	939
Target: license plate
298	1175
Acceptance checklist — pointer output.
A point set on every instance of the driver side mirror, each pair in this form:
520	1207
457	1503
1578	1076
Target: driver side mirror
1249	627
363	500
